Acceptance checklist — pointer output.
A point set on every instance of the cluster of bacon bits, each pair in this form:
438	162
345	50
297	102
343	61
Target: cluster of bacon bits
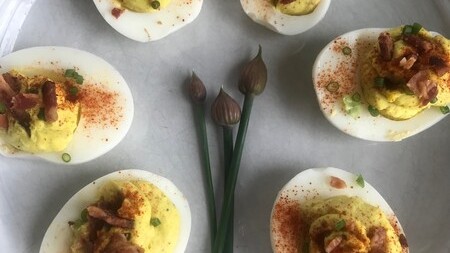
15	102
421	56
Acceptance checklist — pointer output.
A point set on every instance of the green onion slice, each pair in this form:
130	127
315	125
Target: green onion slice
333	87
66	157
155	4
347	51
73	91
155	222
70	73
360	181
84	215
79	79
379	81
373	111
434	100
41	114
356	97
340	224
444	109
416	27
407	29
2	108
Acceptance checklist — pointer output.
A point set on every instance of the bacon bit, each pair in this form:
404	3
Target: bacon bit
50	101
4	123
422	87
439	66
118	243
386	44
25	101
378	240
12	81
111	219
421	44
116	12
5	89
333	244
407	63
337	183
403	241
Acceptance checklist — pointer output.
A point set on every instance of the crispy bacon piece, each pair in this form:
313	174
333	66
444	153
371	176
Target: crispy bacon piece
24	101
423	87
333	244
108	217
23	118
439	65
116	12
407	63
118	244
378	240
5	89
421	44
403	241
386	44
50	101
4	123
337	183
12	81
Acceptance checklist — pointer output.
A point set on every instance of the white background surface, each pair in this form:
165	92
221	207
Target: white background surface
287	132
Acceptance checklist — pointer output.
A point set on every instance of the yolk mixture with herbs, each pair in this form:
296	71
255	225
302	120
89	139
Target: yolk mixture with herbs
296	7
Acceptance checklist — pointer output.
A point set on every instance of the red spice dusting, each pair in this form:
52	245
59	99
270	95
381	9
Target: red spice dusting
100	107
286	225
116	12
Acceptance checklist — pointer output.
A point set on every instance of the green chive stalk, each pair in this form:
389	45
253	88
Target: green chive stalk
226	112
197	91
252	82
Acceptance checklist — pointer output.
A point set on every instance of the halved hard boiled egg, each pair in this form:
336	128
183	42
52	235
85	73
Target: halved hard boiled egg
337	82
264	12
331	210
152	227
103	114
145	20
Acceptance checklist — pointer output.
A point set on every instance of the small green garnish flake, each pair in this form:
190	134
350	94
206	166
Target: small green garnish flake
2	108
66	157
379	81
356	97
333	87
407	30
416	27
73	91
70	73
373	111
41	114
347	51
155	4
360	181
434	100
340	224
79	79
351	107
155	222
84	215
444	109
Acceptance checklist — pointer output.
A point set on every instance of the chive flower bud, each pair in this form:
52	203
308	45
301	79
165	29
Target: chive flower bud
197	89
225	111
253	76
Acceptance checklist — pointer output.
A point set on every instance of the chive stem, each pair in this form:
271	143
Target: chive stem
233	174
228	153
201	129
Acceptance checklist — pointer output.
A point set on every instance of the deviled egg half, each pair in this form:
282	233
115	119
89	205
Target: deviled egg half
62	105
384	84
288	17
125	211
148	20
331	210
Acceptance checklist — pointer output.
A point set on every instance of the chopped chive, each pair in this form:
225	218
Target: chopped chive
373	111
379	81
347	51
333	86
356	97
66	157
84	215
155	222
41	114
444	109
70	73
2	108
407	30
79	79
73	91
340	224
155	4
434	100
416	27
360	181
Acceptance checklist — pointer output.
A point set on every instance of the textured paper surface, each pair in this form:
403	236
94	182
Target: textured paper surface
287	132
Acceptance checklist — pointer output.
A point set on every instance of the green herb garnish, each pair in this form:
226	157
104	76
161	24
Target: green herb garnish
340	224
155	222
2	108
73	91
444	109
333	87
434	100
416	27
351	107
360	181
70	73
79	79
84	215
41	114
407	30
356	97
373	111
66	157
347	51
155	4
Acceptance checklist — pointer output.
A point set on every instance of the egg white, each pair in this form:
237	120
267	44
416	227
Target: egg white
87	143
146	27
365	126
264	12
313	183
59	236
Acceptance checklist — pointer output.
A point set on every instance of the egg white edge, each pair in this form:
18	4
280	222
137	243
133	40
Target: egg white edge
367	127
322	177
264	13
93	69
145	27
58	236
